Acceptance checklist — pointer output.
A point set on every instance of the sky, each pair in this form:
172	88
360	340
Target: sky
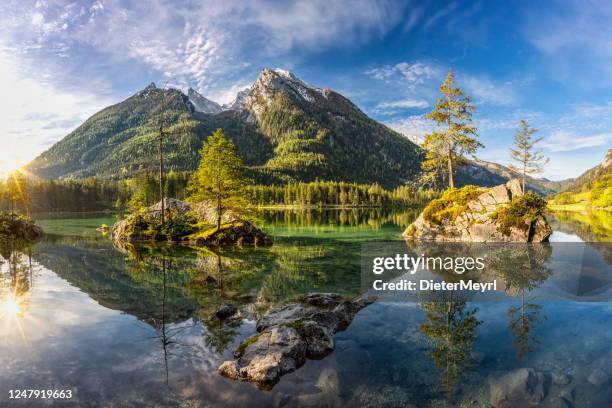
549	62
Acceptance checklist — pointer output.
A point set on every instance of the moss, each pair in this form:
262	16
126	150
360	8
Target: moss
296	324
14	225
450	205
519	213
242	347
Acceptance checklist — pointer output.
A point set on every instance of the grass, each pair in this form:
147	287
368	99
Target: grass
242	347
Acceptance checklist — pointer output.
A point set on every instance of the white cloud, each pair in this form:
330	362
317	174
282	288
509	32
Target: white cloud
486	91
412	73
414	127
390	107
565	141
34	114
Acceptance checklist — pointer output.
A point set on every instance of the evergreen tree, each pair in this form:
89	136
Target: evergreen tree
529	160
219	177
456	137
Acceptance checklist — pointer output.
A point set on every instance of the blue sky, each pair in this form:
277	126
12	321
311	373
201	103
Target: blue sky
548	62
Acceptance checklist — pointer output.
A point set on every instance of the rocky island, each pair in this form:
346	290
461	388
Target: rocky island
479	214
290	334
18	227
194	224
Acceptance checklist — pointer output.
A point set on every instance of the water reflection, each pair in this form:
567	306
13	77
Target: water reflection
450	327
16	277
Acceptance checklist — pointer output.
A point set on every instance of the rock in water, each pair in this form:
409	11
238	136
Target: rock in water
519	388
469	215
225	311
288	335
599	377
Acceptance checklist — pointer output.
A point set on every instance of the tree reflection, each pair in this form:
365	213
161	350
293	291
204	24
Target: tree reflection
450	328
523	268
16	277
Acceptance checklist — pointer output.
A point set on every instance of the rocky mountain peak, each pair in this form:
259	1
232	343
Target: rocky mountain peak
202	104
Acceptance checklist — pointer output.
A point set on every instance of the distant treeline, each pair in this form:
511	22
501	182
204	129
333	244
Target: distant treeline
333	193
88	195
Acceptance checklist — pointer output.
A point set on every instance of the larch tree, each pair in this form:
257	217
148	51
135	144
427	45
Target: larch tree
455	136
220	176
528	160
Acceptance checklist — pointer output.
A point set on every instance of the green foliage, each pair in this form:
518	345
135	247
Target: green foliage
519	213
450	205
220	177
455	138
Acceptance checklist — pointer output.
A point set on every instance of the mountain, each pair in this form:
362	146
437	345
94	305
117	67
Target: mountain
586	179
201	104
485	173
122	138
592	189
285	129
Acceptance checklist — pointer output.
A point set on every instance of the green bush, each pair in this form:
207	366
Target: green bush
519	213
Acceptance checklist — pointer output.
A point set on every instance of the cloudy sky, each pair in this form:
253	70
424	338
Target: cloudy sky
547	62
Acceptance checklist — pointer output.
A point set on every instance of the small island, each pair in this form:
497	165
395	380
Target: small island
214	213
15	226
478	214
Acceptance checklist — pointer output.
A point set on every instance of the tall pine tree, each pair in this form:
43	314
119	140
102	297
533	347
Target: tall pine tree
220	176
455	137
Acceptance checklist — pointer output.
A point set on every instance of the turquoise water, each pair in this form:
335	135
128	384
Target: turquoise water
136	327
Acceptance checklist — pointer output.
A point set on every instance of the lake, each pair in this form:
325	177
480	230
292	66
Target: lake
136	327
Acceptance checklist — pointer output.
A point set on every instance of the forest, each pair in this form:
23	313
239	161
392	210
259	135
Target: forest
18	192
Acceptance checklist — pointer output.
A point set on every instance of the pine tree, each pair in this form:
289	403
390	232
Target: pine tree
529	160
219	177
456	138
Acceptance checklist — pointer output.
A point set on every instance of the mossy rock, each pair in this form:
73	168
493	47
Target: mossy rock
236	232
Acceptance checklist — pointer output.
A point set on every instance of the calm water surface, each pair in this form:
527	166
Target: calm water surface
136	327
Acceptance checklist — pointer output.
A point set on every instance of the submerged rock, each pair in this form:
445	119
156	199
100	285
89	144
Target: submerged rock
288	335
519	388
599	377
472	214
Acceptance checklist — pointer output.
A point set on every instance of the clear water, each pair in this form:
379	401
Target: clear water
110	325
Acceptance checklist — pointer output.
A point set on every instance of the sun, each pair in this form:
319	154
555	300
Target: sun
10	308
9	164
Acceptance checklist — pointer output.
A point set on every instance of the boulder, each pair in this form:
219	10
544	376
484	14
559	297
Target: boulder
472	221
519	388
289	334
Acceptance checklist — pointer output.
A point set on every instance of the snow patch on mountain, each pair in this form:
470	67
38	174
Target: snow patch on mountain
201	104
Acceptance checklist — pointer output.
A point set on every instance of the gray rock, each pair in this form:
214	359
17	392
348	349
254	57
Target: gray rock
561	379
225	311
519	388
599	377
274	353
475	224
290	334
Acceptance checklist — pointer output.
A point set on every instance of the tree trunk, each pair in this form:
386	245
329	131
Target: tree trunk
451	181
218	213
